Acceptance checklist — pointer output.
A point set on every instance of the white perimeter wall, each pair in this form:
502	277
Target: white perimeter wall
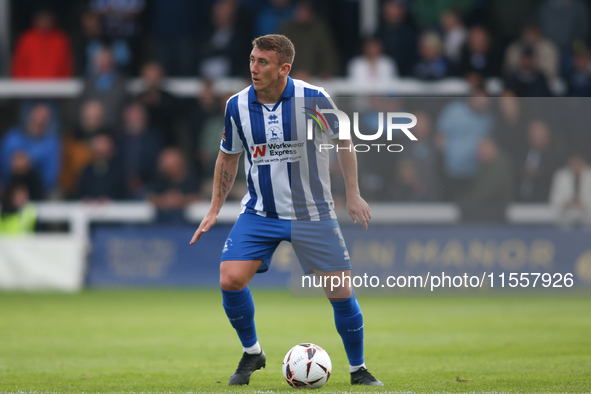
42	262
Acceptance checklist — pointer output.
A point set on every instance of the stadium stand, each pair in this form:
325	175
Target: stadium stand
481	46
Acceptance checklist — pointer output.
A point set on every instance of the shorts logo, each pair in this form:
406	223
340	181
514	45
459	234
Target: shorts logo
224	134
227	245
337	231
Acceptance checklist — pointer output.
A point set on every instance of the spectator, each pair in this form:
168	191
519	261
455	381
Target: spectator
208	144
107	86
475	80
91	122
77	153
462	125
345	27
39	141
427	12
103	179
546	55
223	49
23	173
570	192
406	185
206	106
175	188
17	215
273	16
573	118
478	55
398	36
176	24
454	36
506	17
88	43
372	66
139	148
579	78
161	105
564	22
432	64
423	155
487	198
375	169
527	80
510	128
43	51
122	26
537	164
317	55
92	40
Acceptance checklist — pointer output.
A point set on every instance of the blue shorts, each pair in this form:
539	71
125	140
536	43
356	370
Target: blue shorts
319	245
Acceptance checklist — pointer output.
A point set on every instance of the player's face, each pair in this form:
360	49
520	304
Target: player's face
265	69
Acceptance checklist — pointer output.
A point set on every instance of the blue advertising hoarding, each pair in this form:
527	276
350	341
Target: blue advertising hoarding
161	255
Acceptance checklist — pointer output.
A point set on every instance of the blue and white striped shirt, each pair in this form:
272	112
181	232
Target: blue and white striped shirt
287	176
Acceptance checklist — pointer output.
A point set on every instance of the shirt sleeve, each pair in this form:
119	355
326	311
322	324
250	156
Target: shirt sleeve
332	122
231	142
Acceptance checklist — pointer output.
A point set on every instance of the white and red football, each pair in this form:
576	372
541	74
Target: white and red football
306	366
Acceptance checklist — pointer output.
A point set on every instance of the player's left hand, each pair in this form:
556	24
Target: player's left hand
358	208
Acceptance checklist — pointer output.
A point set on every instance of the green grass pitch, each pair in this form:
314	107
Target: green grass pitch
179	341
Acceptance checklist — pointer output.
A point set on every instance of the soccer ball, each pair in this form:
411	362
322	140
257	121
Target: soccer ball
306	365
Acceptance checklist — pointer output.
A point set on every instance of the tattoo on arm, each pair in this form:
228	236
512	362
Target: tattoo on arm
225	183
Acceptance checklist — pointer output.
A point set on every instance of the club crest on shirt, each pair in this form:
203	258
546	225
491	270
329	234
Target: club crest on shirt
227	245
273	134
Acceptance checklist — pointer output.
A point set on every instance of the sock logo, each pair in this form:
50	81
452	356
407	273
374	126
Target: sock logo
355	329
237	318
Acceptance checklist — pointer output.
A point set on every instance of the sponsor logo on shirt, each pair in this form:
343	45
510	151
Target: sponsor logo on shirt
277	152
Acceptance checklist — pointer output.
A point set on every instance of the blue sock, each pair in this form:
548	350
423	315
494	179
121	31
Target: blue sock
239	308
349	322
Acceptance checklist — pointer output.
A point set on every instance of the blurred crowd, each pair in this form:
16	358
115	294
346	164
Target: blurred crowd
526	43
114	145
481	153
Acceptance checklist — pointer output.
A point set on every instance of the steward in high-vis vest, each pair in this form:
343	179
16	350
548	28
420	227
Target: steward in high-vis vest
17	214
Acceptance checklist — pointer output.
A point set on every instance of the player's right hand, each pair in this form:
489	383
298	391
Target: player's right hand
208	221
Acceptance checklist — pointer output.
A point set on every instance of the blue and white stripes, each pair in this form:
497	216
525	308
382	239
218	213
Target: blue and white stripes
288	178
